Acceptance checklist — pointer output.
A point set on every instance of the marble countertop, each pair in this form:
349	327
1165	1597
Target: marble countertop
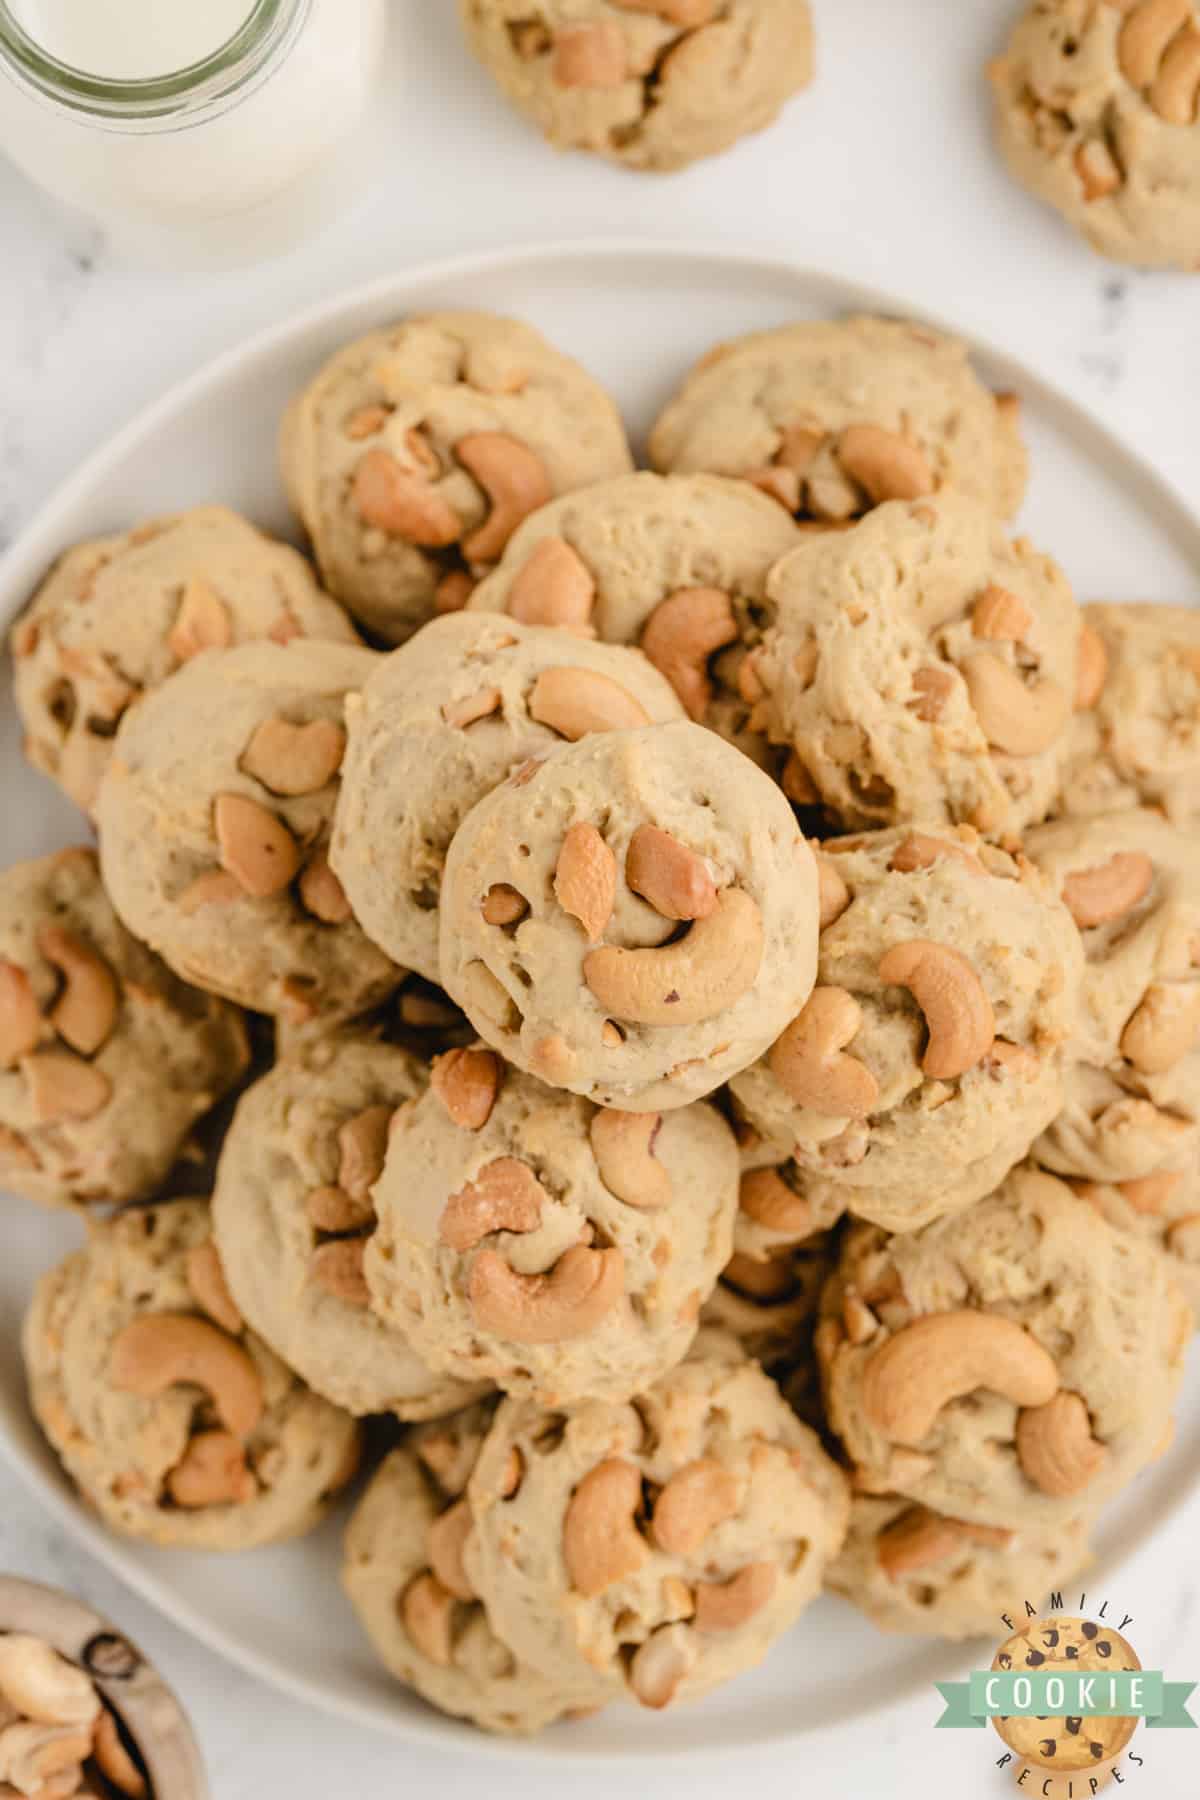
882	173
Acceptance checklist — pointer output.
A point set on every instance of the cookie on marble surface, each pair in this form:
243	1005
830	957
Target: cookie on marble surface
416	451
214	819
175	1422
107	1060
653	84
633	917
528	1238
1096	113
438	726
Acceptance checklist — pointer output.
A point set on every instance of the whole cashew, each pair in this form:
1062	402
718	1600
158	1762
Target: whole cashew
585	879
685	982
623	1145
809	1060
663	1662
86	1010
156	1351
20	1019
727	1605
1092	667
697	1498
257	849
212	1472
919	851
941	1357
1110	890
919	1538
1015	717
554	587
403	504
427	1613
445	1545
1165	1027
576	701
601	1540
571	1300
958	1013
467	1082
210	1290
514	479
1055	1446
766	1198
294	759
886	465
674	880
114	1761
506	1195
43	1685
680	635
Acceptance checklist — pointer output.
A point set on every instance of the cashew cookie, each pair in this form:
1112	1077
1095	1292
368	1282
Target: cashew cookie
633	917
414	454
1018	1362
529	1238
106	1059
659	1548
441	723
177	1424
214	820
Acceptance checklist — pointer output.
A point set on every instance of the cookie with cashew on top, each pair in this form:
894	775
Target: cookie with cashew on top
415	452
529	1238
177	1424
107	1060
659	1548
652	84
1018	1362
439	725
405	1575
933	1048
632	917
831	417
1097	109
215	815
292	1213
117	615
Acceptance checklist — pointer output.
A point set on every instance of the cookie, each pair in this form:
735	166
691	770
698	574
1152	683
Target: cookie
117	615
927	1575
1058	1645
106	1059
564	895
214	820
1095	111
657	1549
528	1238
1162	1209
403	1573
441	723
415	452
922	667
1015	1366
833	416
653	84
933	1048
176	1423
292	1213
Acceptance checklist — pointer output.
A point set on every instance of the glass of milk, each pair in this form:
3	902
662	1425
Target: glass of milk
201	130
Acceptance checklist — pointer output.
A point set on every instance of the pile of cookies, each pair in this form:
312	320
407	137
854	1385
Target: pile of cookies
732	937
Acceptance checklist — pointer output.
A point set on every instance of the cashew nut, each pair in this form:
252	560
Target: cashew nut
31	1755
1148	29
503	905
884	464
295	759
42	1685
576	701
932	687
514	479
362	1148
572	1299
810	1062
445	1544
157	1351
256	848
766	1198
202	622
1099	895
663	1662
680	635
919	851
210	1290
623	1145
86	1010
590	56
472	707
506	1195
690	980
941	1357
1175	90
215	888
1151	1193
467	1082
63	1086
726	1605
920	1537
427	1613
452	592
1055	1446
833	894
20	1019
766	1281
1019	718
337	1268
601	1540
212	1472
674	880
697	1498
554	587
115	1762
1000	616
1092	668
958	1013
1164	1028
329	1209
321	893
403	504
585	880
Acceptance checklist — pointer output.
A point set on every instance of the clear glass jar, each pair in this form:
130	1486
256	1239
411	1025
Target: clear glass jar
236	155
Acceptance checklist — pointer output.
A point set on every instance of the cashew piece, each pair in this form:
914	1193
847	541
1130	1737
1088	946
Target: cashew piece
958	1013
212	1472
601	1541
321	893
1092	668
444	1547
886	465
920	1537
157	1351
514	479
20	1019
31	1755
63	1086
809	1060
210	1290
506	1195
685	982
1164	1028
337	1268
590	56
503	905
114	1761
726	1605
1055	1446
1000	616
576	701
362	1147
427	1613
329	1209
680	635
467	1082
674	880
402	504
44	1686
86	1010
919	851
941	1357
697	1498
256	848
570	1300
202	622
294	759
833	894
663	1662
1021	719
1099	895
623	1145
554	587
766	1198
585	880
472	707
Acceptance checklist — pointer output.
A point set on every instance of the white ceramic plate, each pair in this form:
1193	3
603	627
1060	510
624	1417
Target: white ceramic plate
637	317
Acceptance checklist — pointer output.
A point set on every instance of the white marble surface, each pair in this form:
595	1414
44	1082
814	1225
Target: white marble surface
882	173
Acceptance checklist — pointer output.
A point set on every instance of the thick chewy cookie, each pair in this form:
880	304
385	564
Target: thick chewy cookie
932	1049
1096	113
832	416
653	84
654	1549
441	723
178	1425
414	454
1056	1645
1015	1364
528	1238
634	917
106	1059
215	815
921	667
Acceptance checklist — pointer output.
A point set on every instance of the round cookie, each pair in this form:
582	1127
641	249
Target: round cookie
1061	1645
177	1424
1018	1362
832	416
214	821
1095	111
1162	1209
653	84
922	667
528	1238
659	1548
596	856
416	451
106	1059
921	1573
117	615
441	723
403	1573
932	1050
292	1214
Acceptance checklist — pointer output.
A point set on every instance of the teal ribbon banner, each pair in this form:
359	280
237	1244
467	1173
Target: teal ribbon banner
1073	1694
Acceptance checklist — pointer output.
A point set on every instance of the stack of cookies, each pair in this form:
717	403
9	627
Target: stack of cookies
732	937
